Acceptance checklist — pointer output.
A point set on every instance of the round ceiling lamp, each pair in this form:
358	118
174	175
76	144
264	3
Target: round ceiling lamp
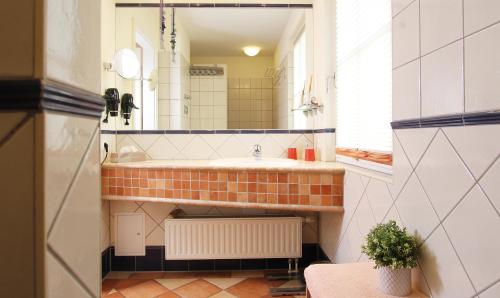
251	51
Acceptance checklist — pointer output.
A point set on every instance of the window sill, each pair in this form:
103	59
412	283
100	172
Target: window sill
366	168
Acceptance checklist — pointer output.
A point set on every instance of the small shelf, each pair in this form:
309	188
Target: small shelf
308	107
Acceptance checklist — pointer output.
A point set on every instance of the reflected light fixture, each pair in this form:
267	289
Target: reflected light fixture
251	51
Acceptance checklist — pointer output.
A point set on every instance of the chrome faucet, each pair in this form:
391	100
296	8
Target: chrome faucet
257	151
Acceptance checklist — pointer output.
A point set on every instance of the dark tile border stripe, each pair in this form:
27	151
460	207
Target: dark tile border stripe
38	95
217	5
154	261
221	131
105	262
466	119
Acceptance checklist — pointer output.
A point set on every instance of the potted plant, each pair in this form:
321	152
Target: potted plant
395	252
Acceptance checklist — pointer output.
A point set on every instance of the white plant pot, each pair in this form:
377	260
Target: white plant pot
394	282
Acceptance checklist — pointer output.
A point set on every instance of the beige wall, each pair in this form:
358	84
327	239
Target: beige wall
17	225
18	30
72	52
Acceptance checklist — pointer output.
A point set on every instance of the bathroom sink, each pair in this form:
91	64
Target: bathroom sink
251	162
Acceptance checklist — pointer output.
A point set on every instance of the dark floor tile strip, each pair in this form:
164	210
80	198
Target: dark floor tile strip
154	260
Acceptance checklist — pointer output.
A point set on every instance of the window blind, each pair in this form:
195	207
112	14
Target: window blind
364	75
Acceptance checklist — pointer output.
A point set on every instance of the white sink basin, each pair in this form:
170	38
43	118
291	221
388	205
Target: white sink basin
251	162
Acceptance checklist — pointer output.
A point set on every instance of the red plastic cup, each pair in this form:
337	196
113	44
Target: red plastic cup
309	154
292	153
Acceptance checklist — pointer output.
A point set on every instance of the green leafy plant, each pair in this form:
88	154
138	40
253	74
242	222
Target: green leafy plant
390	246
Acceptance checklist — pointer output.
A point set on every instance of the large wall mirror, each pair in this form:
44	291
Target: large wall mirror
217	67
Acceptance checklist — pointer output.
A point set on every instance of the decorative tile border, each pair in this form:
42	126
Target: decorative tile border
38	95
155	261
217	5
250	188
221	131
465	119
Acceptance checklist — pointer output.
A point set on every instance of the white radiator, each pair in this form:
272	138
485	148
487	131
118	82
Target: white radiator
233	238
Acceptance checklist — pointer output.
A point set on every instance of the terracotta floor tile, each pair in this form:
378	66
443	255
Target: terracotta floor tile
170	294
197	289
148	289
121	284
147	275
250	288
108	285
174	283
224	283
114	295
223	294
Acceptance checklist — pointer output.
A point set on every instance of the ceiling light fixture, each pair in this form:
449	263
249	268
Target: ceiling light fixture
251	51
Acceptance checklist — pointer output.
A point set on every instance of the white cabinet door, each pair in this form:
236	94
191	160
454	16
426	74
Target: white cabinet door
130	238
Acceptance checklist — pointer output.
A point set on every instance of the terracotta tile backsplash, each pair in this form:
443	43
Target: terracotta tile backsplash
264	187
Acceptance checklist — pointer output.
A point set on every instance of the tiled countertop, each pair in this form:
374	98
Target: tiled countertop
296	166
270	184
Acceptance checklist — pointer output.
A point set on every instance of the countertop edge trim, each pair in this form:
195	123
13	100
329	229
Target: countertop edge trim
336	209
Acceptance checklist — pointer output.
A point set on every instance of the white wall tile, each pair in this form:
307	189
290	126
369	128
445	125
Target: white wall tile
163	91
380	198
444	177
415	142
206	85
401	167
475	145
442	81
73	236
364	217
220	112
163	75
442	268
482	62
490	184
405	36
440	23
406	91
59	282
492	292
197	149
399	5
220	84
195	84
206	98
471	228
413	205
479	14
220	98
163	107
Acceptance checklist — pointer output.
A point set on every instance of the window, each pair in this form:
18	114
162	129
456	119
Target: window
364	80
299	79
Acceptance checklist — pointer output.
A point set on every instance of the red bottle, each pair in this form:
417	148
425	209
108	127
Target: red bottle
309	154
